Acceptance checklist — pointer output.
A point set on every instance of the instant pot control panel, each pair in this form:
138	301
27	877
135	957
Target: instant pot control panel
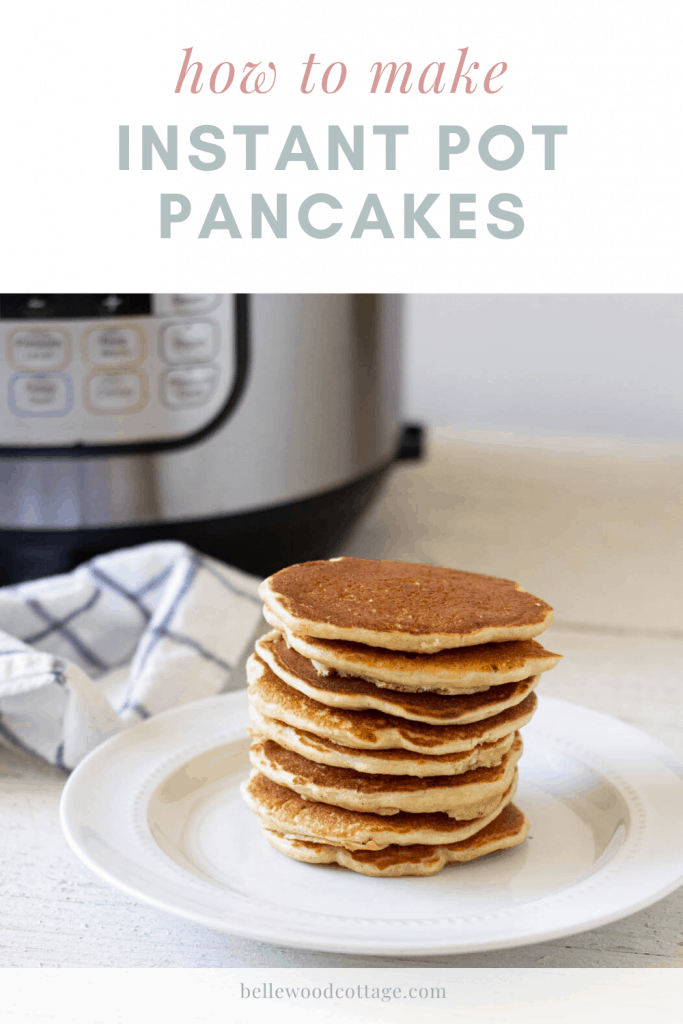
118	370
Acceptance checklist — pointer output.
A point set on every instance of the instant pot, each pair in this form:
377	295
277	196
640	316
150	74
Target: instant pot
255	428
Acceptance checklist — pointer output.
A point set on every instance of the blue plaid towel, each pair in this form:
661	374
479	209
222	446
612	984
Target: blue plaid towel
124	636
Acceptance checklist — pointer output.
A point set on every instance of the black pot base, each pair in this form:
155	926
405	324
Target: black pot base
260	542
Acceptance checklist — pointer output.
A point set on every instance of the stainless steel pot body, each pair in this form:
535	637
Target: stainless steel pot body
293	397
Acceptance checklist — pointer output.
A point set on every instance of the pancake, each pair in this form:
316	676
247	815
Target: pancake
383	762
359	694
460	670
400	605
283	811
370	730
466	796
508	829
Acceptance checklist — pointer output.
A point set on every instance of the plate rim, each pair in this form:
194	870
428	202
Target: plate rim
287	935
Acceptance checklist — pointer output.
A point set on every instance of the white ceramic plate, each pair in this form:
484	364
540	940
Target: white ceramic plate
156	811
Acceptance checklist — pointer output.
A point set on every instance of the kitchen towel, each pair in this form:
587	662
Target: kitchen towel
163	621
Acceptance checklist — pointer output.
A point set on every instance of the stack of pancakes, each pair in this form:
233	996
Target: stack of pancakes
386	706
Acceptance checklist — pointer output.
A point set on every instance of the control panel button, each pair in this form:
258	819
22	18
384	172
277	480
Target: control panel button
189	342
115	392
113	346
188	387
38	349
186	303
40	395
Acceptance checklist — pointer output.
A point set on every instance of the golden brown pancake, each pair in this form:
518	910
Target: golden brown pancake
466	796
400	605
359	694
387	762
458	671
508	829
374	729
284	811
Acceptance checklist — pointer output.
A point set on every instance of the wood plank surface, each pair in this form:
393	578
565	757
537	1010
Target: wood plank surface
594	530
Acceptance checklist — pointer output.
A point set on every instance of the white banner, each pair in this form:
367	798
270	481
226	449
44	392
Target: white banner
253	996
432	146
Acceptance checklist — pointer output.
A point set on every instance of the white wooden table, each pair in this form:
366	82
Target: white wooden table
595	530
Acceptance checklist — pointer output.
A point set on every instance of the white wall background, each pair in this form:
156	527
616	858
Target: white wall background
586	364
